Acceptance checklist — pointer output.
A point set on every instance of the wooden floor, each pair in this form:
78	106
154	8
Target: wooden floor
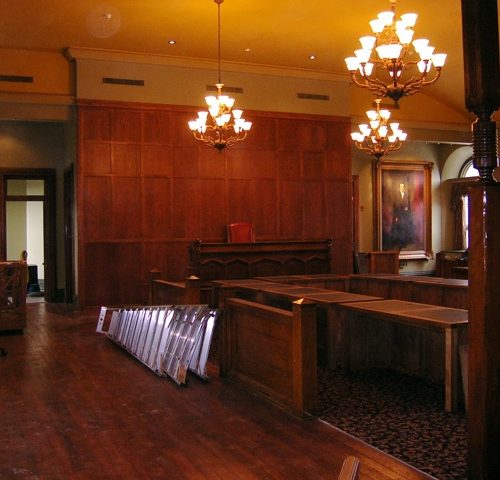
73	405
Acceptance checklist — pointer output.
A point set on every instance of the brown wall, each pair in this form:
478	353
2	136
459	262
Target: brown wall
146	189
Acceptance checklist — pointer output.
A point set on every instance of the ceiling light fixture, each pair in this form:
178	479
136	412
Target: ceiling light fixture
221	126
375	137
386	61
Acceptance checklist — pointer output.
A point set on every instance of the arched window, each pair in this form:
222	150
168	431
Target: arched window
467	170
460	204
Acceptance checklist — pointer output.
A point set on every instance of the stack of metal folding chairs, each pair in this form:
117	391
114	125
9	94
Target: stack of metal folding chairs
169	339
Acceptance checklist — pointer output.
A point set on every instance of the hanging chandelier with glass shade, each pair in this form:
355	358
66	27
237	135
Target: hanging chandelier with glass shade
220	126
379	137
390	63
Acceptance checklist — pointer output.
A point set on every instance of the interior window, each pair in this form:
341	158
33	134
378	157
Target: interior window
467	171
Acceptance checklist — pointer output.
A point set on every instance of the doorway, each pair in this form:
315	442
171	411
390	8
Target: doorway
28	224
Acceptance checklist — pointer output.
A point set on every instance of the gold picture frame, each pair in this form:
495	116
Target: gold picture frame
402	213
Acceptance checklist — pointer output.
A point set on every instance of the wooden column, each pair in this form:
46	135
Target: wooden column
482	95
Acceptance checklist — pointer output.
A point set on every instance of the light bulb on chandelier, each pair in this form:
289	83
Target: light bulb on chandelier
378	137
220	126
387	62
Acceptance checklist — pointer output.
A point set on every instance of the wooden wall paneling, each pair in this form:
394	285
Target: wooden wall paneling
186	208
339	138
240	201
314	210
156	160
139	158
288	134
96	158
156	127
95	123
185	162
266	218
156	207
240	164
213	208
127	207
212	163
264	164
290	164
113	274
262	136
96	210
155	255
313	165
177	260
291	213
126	125
126	159
338	164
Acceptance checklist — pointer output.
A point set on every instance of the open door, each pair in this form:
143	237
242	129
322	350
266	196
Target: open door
28	225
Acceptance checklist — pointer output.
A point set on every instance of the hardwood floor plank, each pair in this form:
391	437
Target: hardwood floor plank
73	405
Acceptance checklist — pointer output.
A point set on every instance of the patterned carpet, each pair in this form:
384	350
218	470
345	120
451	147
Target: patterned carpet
398	414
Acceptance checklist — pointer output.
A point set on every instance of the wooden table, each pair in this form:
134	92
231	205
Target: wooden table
373	341
281	295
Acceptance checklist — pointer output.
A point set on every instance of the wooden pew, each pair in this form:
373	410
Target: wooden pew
271	352
13	281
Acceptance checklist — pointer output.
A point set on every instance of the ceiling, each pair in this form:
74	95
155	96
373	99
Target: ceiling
272	32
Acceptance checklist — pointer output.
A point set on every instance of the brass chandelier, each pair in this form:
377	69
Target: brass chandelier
379	137
220	126
390	63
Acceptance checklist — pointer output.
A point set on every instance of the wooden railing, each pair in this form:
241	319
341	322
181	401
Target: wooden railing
272	352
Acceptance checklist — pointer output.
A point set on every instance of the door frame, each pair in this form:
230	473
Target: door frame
49	219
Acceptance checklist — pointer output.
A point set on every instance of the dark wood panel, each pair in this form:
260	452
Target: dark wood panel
186	201
126	159
127	208
156	201
290	164
240	201
110	266
185	162
156	160
266	198
95	124
96	158
314	165
156	127
126	125
314	209
95	217
262	136
291	212
212	163
212	220
240	164
193	191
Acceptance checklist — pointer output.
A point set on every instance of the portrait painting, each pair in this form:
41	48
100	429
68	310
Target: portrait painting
402	208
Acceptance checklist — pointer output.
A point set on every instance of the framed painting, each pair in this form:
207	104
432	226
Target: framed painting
402	213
